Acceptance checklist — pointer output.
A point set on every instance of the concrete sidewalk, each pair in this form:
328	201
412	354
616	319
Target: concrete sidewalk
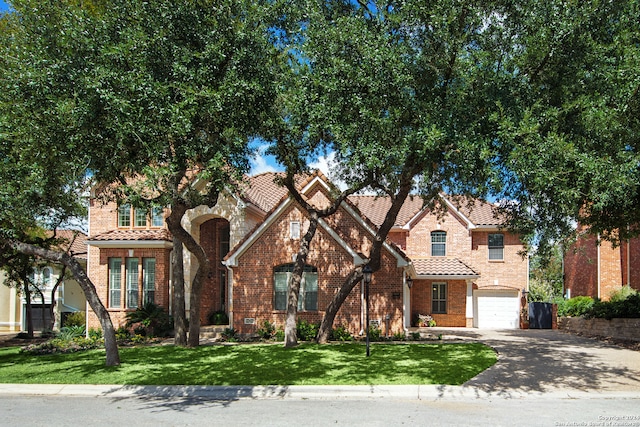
539	364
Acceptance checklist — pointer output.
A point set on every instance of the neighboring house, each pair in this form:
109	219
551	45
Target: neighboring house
68	298
466	271
596	269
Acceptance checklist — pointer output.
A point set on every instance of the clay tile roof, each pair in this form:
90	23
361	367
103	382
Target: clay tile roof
478	211
75	242
135	235
375	208
442	267
265	193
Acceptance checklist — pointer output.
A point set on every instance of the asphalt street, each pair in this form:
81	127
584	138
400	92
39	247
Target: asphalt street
542	378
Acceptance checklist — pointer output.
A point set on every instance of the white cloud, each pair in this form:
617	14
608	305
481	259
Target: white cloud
262	163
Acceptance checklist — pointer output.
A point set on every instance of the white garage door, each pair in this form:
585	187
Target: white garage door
496	309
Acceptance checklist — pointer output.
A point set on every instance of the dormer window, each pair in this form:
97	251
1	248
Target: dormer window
438	243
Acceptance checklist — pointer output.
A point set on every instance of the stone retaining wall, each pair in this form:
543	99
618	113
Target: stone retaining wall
623	329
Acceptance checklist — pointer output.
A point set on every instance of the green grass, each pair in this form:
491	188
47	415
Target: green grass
256	364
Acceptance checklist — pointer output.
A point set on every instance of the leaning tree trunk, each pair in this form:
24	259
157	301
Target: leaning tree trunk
290	329
90	293
179	314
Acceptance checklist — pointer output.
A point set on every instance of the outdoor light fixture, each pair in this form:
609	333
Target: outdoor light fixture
367	274
409	282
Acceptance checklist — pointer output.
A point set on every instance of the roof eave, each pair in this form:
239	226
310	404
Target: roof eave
130	244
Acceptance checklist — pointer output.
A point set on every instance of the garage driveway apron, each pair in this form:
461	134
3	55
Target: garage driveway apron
539	361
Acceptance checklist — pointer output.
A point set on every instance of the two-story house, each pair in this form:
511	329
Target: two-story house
597	268
464	270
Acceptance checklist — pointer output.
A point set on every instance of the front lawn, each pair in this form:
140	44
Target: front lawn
255	364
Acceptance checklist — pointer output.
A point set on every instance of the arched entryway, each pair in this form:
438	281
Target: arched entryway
214	239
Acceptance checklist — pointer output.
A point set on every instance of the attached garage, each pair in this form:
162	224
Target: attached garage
496	308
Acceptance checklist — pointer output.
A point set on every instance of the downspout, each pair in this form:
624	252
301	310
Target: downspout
170	293
599	268
230	295
406	303
628	261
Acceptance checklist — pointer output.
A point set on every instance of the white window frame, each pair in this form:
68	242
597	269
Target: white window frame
434	243
294	229
496	252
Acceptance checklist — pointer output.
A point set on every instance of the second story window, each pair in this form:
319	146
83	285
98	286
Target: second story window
124	216
496	247
140	217
438	243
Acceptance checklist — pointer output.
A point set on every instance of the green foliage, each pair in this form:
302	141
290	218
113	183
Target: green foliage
279	335
415	336
218	318
574	307
68	333
95	334
76	318
545	275
400	336
150	320
424	320
621	307
375	334
267	331
622	294
306	331
341	333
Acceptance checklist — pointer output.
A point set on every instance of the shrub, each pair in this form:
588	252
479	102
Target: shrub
76	318
307	331
574	307
62	345
625	308
267	331
375	334
95	334
229	335
218	318
150	320
341	333
622	294
70	332
415	336
279	335
400	336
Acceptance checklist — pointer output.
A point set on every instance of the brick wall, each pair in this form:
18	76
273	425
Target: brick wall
581	267
99	275
511	271
212	232
253	290
456	302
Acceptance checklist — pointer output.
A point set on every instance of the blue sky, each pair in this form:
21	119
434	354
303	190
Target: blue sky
3	6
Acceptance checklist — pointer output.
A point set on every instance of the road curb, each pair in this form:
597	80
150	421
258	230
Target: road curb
405	392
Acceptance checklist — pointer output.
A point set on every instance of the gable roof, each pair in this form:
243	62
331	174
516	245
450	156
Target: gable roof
474	212
304	182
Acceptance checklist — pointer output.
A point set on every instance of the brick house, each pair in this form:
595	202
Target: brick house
597	269
465	270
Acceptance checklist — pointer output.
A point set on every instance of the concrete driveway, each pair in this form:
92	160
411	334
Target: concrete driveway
542	361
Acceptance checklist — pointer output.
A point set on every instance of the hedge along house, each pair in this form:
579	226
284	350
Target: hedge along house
465	269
